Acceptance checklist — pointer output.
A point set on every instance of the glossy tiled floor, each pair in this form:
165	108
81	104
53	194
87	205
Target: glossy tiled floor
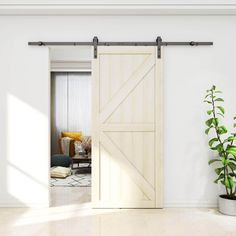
71	215
61	196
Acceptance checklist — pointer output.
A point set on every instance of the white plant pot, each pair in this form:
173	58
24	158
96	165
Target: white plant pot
227	206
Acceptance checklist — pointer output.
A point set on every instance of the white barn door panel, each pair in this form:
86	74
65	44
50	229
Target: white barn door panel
127	128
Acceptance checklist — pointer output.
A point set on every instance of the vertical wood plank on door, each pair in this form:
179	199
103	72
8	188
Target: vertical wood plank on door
159	133
95	135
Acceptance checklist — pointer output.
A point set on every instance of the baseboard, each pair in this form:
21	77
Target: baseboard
197	204
179	204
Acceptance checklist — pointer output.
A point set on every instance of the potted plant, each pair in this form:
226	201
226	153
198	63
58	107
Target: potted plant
224	144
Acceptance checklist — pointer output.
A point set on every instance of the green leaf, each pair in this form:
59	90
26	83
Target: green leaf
208	101
232	159
220	114
225	161
222	130
219	148
209	112
212	141
234	118
232	174
221	176
218	91
213	87
228	182
231	150
215	121
212	161
209	122
207	130
207	96
229	139
234	125
219	100
219	170
221	109
232	165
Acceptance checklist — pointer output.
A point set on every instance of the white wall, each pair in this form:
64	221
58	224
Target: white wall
188	72
70	54
24	123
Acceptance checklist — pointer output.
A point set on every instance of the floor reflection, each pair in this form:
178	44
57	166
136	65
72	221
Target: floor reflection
82	220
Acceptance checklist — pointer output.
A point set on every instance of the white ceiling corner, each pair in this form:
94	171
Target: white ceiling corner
117	7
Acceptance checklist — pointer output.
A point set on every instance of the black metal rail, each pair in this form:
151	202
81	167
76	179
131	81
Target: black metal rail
159	43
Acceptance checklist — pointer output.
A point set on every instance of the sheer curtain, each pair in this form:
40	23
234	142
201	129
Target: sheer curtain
70	104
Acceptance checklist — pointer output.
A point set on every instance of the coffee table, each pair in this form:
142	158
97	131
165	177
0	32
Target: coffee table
77	159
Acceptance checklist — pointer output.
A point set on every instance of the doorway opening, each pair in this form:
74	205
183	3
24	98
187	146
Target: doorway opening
70	169
126	129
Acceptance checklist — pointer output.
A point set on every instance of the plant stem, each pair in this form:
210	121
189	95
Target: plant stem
218	136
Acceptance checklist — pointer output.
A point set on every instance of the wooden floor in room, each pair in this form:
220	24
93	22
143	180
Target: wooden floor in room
71	215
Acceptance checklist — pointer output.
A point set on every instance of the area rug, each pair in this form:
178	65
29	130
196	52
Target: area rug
74	180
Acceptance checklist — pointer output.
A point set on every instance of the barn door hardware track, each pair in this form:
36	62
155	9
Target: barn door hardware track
95	43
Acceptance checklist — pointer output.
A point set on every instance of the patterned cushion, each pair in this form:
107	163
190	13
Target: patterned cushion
74	136
78	147
86	143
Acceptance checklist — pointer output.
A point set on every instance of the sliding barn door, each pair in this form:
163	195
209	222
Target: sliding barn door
126	130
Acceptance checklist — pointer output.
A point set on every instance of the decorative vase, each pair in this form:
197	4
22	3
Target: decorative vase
227	205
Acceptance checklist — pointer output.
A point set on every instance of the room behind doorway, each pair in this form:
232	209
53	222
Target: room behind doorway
70	117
